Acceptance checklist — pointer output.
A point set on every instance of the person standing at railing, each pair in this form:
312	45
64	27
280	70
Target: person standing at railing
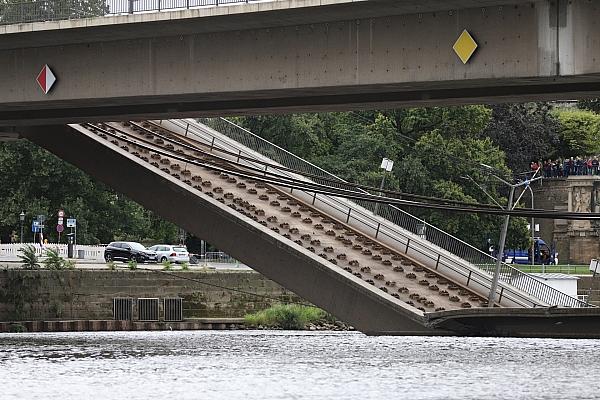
534	167
578	166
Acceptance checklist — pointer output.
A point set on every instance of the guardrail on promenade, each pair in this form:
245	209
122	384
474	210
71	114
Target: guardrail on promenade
55	10
446	243
96	253
89	252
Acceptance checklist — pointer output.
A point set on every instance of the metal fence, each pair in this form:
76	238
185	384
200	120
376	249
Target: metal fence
418	227
54	10
88	252
217	257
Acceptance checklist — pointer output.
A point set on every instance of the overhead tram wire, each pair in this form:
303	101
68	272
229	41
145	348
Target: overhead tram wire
262	173
292	183
317	177
283	168
308	175
317	188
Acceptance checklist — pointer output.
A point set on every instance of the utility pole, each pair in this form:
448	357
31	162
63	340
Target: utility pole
492	295
504	231
532	229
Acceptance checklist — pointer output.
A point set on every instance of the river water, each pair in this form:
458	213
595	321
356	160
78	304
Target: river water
293	365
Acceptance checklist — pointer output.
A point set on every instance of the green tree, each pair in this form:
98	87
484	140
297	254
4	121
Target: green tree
525	132
590	105
17	11
37	182
434	150
579	132
309	138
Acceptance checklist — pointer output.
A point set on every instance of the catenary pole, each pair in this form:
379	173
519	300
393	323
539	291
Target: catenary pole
492	295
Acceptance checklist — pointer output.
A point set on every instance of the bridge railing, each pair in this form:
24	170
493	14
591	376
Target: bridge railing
445	242
54	10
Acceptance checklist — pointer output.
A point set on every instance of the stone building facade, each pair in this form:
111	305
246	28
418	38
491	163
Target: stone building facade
577	242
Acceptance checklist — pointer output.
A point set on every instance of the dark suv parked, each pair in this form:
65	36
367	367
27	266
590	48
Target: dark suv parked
128	251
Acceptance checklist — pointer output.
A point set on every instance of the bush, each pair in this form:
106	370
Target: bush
29	257
17	328
54	260
288	316
132	264
185	266
167	266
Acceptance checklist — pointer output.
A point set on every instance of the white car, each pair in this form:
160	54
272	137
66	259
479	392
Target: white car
167	252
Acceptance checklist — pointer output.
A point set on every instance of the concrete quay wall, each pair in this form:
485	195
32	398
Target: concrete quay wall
114	325
45	295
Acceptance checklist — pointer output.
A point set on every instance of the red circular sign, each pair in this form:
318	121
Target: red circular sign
60	228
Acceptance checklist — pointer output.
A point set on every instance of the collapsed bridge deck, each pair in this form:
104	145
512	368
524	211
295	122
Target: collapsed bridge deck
301	241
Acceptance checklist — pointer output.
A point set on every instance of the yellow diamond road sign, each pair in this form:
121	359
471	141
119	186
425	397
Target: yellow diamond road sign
465	46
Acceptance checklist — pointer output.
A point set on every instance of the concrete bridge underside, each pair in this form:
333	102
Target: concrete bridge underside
306	56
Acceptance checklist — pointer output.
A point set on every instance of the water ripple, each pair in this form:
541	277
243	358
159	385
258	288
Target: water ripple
292	365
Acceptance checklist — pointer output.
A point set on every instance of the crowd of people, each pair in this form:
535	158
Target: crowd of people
563	168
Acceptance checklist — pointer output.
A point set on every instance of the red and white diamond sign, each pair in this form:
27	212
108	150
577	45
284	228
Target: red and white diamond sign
46	79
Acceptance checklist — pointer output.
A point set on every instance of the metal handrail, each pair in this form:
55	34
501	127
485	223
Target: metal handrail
53	10
473	256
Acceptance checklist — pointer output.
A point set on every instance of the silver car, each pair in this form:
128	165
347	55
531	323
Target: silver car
172	253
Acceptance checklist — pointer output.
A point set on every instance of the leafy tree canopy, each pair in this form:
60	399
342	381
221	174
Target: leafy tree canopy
18	11
590	105
436	152
37	182
525	132
579	132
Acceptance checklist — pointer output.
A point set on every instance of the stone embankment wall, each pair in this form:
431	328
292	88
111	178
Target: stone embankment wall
577	241
88	294
590	286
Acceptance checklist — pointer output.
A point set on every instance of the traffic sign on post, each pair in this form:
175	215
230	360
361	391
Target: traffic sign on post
60	228
61	213
36	226
71	222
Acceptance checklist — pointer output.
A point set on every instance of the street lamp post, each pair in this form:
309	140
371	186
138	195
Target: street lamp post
22	219
502	242
386	165
532	229
492	295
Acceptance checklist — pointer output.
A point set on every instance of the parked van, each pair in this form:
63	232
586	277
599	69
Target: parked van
543	254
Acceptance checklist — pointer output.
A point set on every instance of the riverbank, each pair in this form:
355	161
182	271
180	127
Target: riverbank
117	325
200	324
